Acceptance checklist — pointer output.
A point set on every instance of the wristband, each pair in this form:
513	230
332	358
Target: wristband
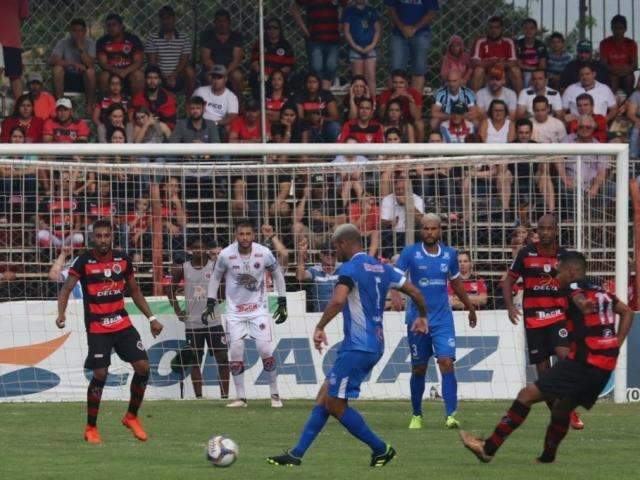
152	318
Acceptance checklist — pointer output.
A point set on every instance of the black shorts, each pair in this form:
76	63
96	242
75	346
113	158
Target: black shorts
570	379
126	343
73	81
214	337
12	62
542	342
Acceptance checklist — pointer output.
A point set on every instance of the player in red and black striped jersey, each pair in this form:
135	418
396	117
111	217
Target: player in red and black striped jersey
576	380
104	274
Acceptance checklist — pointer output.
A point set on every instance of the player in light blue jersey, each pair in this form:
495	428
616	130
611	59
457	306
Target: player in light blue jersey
431	265
363	283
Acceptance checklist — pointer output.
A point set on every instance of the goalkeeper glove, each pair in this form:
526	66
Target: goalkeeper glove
281	314
209	311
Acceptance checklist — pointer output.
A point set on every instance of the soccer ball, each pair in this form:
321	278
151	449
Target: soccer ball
221	451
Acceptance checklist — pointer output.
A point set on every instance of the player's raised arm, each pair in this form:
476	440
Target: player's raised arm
141	303
334	307
63	299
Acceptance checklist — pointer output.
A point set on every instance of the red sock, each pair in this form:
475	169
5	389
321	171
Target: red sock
512	420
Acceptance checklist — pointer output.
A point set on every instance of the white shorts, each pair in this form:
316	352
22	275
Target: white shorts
256	327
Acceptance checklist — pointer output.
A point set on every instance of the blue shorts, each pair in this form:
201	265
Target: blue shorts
440	341
349	371
353	55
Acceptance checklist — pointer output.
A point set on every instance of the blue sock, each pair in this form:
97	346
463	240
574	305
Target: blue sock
417	386
450	392
353	421
312	428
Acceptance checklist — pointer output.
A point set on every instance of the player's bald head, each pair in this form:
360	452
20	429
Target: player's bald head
548	220
347	232
548	230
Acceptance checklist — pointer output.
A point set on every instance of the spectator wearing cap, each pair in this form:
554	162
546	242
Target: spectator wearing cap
496	90
364	128
452	93
531	52
546	128
63	128
495	50
170	51
620	55
538	87
278	55
320	280
159	101
411	99
557	59
44	104
221	103
571	73
12	14
195	128
247	128
319	110
73	63
393	216
121	53
585	104
475	286
219	45
604	101
456	128
23	117
456	58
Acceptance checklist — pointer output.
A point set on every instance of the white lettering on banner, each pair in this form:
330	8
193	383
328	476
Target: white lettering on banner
491	357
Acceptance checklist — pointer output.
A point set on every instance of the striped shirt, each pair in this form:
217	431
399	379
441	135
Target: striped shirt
168	50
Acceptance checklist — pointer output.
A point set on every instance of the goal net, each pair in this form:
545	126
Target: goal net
161	198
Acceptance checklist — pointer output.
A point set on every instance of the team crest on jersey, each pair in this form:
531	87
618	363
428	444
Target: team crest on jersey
126	48
207	275
247	281
256	265
117	269
262	326
547	268
444	268
607	333
418	255
107	272
280	52
446	256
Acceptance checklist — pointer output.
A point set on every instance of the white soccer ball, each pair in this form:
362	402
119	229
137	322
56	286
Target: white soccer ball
221	451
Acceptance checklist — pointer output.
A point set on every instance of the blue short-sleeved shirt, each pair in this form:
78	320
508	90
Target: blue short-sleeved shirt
322	287
411	11
362	23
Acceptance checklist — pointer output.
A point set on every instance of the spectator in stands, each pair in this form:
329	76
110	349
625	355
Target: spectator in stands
357	91
19	186
411	37
361	26
633	114
247	128
221	103
585	105
114	95
456	128
222	46
411	99
394	119
138	228
59	217
620	126
276	95
452	93
350	179
319	109
272	241
496	90
278	55
104	203
64	128
497	127
571	72
116	118
531	52
604	101
475	287
44	104
147	128
393	216
620	55
195	128
538	87
557	60
174	216
117	135
170	51
456	59
121	53
73	63
321	279
495	50
12	14
294	131
158	100
364	128
322	34
365	214
24	118
546	128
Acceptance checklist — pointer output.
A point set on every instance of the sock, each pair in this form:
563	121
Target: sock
450	392
556	431
269	365
417	386
353	421
94	394
312	428
138	386
516	415
237	372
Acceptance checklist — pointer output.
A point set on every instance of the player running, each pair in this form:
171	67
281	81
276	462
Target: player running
196	274
544	306
243	265
577	379
360	295
431	266
103	275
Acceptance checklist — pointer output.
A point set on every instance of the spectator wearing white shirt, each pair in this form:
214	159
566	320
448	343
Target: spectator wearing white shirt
393	216
221	103
546	129
604	101
538	87
496	90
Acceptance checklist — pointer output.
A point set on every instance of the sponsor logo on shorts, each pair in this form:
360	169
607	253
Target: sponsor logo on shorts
563	333
534	351
98	355
140	345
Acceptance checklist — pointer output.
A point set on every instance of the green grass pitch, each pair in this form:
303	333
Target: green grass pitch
44	441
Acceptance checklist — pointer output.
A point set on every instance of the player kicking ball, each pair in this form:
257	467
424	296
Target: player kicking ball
104	275
243	265
432	266
577	379
360	294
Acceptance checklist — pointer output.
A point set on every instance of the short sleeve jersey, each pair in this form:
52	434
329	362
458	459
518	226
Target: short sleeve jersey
119	53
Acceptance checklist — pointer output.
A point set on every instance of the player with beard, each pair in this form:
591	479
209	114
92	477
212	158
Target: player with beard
160	102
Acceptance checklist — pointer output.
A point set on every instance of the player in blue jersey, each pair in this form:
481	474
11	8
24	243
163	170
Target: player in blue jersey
363	283
431	265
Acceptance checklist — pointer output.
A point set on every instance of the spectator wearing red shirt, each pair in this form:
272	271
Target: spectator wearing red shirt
495	49
23	117
159	101
276	97
584	102
120	52
278	54
64	128
12	14
620	54
411	101
114	95
59	217
247	128
364	129
531	52
475	287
